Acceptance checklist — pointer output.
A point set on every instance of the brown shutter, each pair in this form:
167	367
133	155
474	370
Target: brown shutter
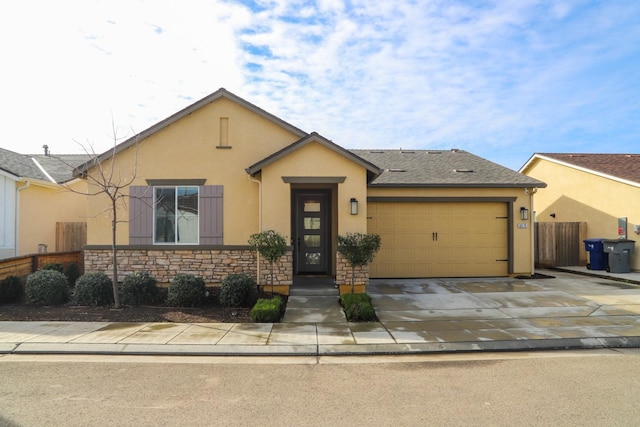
210	214
140	215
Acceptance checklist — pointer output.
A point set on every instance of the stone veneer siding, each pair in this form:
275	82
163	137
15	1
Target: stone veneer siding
212	265
343	272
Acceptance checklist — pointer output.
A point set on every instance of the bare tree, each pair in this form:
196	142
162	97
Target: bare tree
104	178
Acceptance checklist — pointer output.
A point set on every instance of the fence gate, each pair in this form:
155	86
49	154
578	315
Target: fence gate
70	236
559	244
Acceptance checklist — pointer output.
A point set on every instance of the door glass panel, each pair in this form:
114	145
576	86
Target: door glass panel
312	240
311	206
312	223
312	258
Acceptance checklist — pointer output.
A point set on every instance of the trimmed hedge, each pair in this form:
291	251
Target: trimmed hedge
46	287
267	310
186	290
94	289
139	288
358	308
11	289
238	290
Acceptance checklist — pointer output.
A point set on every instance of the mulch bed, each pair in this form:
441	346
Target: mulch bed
212	312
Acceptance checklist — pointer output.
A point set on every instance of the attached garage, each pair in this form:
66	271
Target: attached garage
440	239
448	213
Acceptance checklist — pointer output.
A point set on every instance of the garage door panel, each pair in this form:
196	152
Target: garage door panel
439	239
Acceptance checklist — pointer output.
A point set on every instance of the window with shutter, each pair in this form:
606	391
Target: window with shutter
175	215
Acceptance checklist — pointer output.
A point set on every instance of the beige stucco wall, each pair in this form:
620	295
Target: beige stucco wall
522	230
41	206
187	149
575	195
314	160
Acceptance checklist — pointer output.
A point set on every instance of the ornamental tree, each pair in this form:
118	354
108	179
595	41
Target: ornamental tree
271	245
358	249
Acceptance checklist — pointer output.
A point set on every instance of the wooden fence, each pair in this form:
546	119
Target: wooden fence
560	244
70	236
25	265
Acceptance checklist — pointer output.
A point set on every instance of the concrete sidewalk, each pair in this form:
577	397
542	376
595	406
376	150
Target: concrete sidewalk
569	311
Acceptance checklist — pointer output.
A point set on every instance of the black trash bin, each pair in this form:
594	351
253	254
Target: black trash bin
619	251
598	258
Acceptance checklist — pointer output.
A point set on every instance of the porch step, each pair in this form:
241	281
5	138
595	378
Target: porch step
314	291
314	301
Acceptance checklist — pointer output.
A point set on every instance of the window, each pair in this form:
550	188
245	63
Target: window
198	209
175	216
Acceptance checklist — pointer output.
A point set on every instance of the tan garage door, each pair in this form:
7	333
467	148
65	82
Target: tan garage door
439	239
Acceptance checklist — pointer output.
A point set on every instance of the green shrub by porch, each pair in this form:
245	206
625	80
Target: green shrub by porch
95	289
358	308
238	290
46	287
267	310
186	290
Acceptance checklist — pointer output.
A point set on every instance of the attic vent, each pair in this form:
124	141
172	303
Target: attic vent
396	170
408	152
576	155
434	152
455	150
376	151
463	170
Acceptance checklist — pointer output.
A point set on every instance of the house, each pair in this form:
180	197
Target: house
34	201
211	175
602	190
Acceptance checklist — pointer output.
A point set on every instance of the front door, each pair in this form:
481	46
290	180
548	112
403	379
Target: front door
311	231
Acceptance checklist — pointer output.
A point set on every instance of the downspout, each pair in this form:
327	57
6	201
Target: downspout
16	218
259	220
533	234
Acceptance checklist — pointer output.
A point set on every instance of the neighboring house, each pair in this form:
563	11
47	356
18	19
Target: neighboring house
216	172
598	189
33	199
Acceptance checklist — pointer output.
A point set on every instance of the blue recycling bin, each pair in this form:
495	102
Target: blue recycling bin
598	258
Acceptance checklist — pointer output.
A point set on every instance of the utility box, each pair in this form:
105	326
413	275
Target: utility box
598	258
619	251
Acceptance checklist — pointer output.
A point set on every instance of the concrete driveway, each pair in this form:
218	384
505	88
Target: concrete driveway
565	306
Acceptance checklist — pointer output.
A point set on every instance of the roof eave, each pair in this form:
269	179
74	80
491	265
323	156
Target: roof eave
372	170
458	185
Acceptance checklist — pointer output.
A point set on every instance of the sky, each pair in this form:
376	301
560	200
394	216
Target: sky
500	79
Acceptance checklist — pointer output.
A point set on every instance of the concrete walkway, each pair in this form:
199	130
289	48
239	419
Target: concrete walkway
569	311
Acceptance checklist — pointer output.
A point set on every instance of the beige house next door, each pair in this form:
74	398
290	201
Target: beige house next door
440	239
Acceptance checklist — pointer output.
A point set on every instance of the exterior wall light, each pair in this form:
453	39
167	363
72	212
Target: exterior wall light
354	206
524	213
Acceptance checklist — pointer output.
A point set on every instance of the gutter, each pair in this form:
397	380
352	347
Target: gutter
16	218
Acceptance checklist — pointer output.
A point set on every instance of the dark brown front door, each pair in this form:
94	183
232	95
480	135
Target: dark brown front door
311	231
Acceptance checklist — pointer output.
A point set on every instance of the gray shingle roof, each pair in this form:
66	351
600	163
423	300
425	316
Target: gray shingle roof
58	167
441	168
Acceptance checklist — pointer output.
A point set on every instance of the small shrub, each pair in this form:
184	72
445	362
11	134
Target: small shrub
267	310
54	266
93	289
358	308
72	272
46	287
11	289
238	290
186	290
139	288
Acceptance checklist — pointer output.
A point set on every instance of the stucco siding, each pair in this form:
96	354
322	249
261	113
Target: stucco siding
576	195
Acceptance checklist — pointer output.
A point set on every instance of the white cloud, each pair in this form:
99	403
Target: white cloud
500	79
